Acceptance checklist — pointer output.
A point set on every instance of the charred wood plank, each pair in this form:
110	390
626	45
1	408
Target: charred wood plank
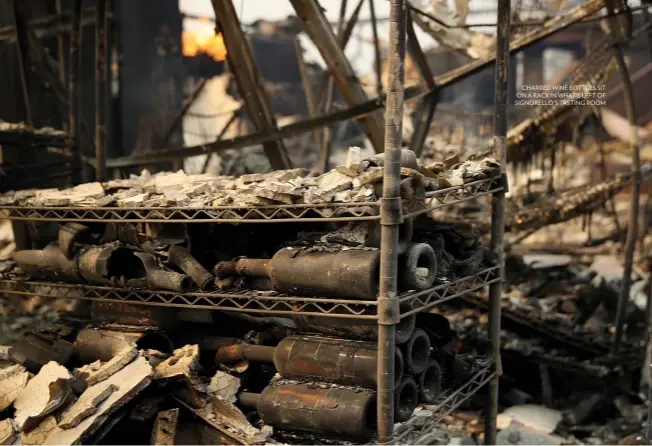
250	84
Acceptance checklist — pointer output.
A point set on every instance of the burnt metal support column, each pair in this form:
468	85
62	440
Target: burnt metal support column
73	92
250	84
428	104
498	211
22	45
391	218
100	91
321	33
377	57
632	227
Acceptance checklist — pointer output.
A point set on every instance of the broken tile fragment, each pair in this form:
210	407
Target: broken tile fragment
86	405
43	394
131	380
112	350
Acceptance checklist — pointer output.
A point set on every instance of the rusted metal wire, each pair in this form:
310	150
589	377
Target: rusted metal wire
498	210
100	90
391	218
632	228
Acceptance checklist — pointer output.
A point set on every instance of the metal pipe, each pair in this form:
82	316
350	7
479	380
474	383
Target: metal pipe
632	228
391	217
498	210
100	90
73	92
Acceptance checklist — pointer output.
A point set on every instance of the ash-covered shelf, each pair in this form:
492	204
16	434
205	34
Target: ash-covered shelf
327	212
251	301
449	401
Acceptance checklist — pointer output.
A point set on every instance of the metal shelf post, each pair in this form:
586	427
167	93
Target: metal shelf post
390	219
498	210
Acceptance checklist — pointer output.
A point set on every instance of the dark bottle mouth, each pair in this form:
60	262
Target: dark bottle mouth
417	352
430	383
406	399
370	419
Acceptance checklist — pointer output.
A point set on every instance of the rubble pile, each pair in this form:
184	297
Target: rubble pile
80	381
559	383
360	180
301	376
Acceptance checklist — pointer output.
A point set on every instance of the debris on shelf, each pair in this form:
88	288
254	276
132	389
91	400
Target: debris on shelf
355	182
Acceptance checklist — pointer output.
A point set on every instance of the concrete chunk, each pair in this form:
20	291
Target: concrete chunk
40	433
7	432
13	380
184	362
224	386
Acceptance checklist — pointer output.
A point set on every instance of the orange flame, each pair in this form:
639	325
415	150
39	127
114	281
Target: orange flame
203	41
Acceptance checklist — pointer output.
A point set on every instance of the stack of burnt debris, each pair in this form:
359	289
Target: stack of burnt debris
221	378
560	385
359	180
248	379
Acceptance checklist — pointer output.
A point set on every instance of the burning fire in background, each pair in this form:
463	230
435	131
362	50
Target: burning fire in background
199	37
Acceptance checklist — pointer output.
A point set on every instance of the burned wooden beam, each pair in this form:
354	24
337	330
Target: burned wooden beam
427	105
359	111
165	427
347	82
462	40
250	84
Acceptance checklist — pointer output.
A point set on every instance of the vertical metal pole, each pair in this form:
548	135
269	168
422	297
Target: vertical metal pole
100	90
23	57
377	58
391	217
632	228
498	210
73	92
60	56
